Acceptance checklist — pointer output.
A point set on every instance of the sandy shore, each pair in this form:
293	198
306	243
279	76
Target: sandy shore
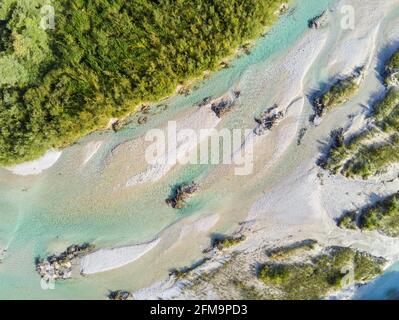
108	259
36	166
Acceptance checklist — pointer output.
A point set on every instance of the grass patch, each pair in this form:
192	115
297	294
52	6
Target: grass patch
227	242
372	159
292	250
247	292
383	216
337	94
325	273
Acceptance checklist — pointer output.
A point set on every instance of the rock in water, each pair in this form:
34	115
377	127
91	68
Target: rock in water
319	21
60	266
182	193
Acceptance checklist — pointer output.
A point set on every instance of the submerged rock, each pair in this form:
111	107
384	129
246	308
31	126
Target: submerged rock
204	102
2	254
182	193
119	124
236	94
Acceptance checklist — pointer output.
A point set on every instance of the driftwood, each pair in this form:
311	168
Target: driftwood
268	120
318	21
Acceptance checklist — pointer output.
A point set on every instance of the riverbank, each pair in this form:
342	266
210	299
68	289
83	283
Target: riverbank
37	166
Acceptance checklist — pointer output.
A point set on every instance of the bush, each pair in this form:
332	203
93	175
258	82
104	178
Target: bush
382	216
392	69
292	250
338	93
320	276
348	221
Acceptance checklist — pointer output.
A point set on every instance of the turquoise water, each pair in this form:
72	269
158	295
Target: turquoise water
384	287
68	204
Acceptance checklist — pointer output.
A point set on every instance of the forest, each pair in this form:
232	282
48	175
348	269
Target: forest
104	58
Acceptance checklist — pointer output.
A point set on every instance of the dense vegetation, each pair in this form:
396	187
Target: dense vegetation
104	58
325	273
382	216
338	93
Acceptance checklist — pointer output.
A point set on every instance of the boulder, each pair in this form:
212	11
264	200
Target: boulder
319	21
182	193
